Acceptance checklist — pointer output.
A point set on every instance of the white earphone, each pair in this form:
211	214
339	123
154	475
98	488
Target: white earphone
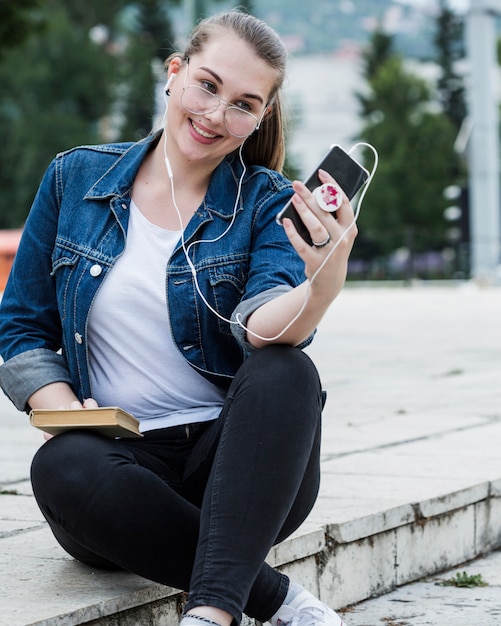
169	81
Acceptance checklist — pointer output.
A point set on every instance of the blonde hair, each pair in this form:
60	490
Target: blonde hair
266	146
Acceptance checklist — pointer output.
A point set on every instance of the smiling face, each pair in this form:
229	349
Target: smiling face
226	67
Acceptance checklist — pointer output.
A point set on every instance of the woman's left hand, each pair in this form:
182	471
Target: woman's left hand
323	226
294	315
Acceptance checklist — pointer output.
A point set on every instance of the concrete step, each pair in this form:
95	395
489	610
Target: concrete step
434	601
411	470
395	514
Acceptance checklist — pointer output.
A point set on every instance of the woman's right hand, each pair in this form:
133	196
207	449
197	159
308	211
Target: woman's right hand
89	403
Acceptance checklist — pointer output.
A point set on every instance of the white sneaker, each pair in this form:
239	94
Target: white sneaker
306	610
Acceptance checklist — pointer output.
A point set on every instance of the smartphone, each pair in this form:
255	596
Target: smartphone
345	170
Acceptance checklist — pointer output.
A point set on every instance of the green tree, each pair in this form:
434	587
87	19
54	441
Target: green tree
449	47
375	55
150	41
17	20
86	14
405	202
57	88
86	77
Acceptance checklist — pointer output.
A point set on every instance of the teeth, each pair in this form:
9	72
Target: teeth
202	132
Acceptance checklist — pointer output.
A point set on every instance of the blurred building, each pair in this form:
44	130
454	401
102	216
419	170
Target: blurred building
320	95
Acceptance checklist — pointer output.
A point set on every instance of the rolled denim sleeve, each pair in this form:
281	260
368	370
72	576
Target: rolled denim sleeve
246	308
29	371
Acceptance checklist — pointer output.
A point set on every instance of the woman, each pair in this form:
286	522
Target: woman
153	276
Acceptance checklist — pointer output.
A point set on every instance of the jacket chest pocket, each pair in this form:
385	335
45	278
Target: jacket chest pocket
75	277
227	285
64	264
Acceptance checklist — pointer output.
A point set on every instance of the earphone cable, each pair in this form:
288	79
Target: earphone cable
238	318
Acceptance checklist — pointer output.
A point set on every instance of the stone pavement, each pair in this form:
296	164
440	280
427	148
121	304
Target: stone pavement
411	478
430	603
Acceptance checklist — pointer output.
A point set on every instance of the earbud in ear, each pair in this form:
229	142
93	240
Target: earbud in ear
169	82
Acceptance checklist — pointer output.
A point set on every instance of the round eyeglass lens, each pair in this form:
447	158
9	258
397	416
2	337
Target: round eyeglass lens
198	100
238	122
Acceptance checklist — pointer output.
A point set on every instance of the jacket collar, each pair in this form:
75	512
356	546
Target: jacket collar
119	178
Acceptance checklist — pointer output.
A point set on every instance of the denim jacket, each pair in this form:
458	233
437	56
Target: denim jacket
77	229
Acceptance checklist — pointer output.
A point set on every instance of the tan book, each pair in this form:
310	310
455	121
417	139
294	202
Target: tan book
109	421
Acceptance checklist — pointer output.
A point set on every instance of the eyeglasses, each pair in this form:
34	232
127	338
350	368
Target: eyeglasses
237	121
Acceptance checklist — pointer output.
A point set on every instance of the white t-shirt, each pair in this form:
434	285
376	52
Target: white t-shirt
134	362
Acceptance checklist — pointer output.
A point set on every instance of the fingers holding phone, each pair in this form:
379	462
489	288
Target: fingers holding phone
337	172
322	213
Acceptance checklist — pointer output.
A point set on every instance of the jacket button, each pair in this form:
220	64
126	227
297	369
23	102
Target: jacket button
124	206
95	270
78	338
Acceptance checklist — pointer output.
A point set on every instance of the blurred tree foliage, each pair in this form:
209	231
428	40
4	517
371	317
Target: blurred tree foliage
415	141
17	20
449	44
62	80
150	41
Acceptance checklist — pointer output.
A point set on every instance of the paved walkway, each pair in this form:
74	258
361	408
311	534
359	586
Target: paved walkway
434	602
411	477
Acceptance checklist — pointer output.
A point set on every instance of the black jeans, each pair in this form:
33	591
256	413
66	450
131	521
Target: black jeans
196	507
